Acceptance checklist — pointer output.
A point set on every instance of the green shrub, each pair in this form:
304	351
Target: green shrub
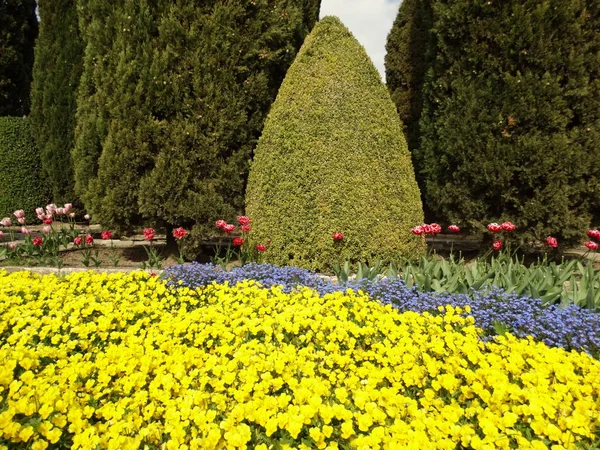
23	185
332	158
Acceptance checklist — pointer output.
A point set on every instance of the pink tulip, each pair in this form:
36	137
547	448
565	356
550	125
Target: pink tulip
6	222
47	229
51	207
86	217
39	211
12	245
72	215
68	207
21	220
19	213
25	230
1	234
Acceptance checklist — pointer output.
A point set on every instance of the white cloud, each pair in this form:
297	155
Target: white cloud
369	20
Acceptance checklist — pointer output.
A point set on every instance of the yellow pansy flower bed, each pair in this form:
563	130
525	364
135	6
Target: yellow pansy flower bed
122	361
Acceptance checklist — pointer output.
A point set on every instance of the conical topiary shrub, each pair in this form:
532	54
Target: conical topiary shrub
332	158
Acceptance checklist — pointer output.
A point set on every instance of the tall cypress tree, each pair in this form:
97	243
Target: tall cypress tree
509	126
180	114
18	31
56	74
408	53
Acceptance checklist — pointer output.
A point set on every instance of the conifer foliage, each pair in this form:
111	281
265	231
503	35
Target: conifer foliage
407	53
509	128
172	102
332	178
56	74
18	31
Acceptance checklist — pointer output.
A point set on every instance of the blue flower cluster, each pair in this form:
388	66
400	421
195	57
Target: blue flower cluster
570	327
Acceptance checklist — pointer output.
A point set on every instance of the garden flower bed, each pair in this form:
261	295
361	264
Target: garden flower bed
127	361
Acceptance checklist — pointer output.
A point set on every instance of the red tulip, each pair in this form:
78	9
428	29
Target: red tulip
228	228
246	228
37	241
508	226
497	245
179	233
261	248
77	241
220	223
552	242
435	228
106	235
243	220
591	245
337	236
594	234
89	239
149	234
238	242
494	227
418	230
454	228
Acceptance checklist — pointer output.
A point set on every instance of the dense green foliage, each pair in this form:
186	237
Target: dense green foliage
406	61
23	186
332	158
56	74
18	31
511	107
172	102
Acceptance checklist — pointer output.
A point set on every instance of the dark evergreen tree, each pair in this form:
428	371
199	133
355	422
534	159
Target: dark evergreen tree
408	53
511	113
172	102
18	31
56	74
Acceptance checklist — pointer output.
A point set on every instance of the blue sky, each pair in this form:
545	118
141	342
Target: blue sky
369	20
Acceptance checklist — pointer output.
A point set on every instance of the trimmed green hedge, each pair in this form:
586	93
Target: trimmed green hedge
23	185
333	158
